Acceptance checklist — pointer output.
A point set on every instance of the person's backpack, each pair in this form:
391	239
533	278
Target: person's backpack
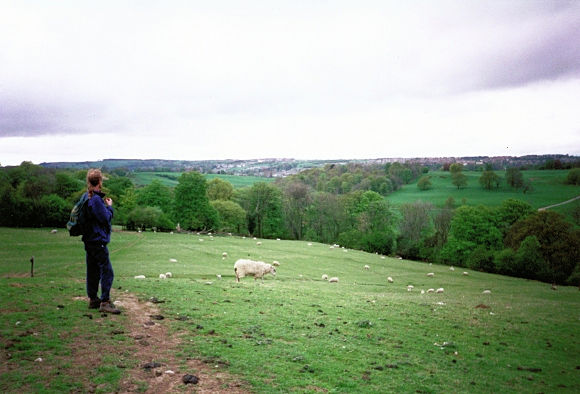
77	218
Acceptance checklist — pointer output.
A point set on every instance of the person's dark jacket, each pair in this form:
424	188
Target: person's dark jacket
99	216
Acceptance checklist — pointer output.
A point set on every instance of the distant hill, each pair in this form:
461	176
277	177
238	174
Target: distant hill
272	167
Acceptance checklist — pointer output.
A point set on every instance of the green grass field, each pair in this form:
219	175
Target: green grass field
170	178
291	333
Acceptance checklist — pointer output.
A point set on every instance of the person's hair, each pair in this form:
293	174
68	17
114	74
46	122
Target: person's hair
94	180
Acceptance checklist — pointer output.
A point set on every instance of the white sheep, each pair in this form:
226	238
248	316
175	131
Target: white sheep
173	260
465	273
430	290
140	277
224	255
258	243
390	280
410	287
257	269
309	243
451	268
276	263
486	292
218	276
168	274
440	290
162	276
324	277
334	279
383	257
367	267
431	274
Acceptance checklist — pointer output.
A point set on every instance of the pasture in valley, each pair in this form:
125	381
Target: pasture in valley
292	333
170	178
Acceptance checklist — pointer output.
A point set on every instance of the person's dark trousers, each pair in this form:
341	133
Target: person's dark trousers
99	269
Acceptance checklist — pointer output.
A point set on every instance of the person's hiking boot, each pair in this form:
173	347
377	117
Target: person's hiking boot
94	303
108	307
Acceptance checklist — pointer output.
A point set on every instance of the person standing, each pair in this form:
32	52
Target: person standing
96	236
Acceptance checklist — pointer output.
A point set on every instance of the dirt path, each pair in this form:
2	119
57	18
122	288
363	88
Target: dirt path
557	205
153	344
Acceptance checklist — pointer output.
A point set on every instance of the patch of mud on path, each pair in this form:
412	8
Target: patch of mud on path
153	344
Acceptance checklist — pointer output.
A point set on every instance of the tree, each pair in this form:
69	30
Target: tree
471	227
156	194
264	207
459	179
559	242
489	180
218	189
191	205
456	168
414	227
297	198
514	177
424	183
232	217
325	218
510	211
149	217
573	177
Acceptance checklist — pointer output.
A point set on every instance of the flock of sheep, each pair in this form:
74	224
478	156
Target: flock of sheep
258	269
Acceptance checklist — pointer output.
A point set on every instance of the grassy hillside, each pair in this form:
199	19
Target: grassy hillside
549	188
170	178
292	333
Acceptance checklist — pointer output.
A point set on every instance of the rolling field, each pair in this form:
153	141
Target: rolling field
170	178
549	188
290	333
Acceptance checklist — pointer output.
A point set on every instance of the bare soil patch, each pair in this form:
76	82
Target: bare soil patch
153	344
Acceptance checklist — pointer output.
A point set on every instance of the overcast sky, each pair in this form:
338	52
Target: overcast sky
194	80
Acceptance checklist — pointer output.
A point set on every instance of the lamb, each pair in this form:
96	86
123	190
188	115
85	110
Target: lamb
257	269
334	279
162	276
224	255
431	274
367	267
440	290
390	280
410	287
168	274
324	277
430	290
276	263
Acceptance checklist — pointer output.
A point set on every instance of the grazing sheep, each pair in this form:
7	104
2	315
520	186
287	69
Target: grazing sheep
53	231
465	273
390	280
422	291
383	257
486	292
257	269
173	260
162	276
309	243
168	274
440	290
410	287
218	276
276	263
430	290
367	267
334	279
224	255
140	277
258	243
451	268
431	274
324	277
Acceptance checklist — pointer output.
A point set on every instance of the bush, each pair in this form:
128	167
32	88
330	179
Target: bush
481	259
573	177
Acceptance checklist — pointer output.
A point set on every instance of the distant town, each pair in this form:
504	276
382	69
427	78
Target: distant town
281	167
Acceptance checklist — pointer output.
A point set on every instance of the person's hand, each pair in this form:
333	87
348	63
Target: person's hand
109	201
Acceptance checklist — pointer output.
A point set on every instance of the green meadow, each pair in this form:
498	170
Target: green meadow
290	333
170	178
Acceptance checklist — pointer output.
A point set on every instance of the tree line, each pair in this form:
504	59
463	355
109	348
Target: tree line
342	204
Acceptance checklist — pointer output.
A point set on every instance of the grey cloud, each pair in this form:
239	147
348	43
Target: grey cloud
551	53
30	118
